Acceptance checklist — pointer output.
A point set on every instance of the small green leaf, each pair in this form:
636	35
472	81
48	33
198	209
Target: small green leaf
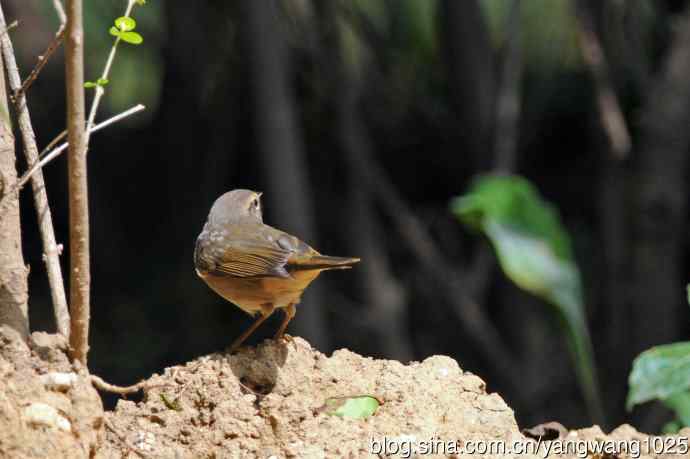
358	407
170	404
132	38
114	31
125	23
102	81
663	373
141	2
90	84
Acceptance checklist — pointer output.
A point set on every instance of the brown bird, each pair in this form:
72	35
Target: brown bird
255	266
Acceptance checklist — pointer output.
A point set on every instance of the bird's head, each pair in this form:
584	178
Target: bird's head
236	206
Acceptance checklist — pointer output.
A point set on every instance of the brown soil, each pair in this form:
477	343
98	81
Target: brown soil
262	402
46	408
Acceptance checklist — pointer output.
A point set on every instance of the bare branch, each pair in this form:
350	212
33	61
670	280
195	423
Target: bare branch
612	118
7	29
45	220
54	153
124	441
100	384
42	61
508	98
60	11
80	270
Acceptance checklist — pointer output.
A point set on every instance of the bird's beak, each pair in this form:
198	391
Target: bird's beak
258	195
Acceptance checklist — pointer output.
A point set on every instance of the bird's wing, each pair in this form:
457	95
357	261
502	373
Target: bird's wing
241	251
253	258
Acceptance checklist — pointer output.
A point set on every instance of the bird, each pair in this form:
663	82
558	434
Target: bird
253	265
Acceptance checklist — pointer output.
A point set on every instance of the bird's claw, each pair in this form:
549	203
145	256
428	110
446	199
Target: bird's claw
284	338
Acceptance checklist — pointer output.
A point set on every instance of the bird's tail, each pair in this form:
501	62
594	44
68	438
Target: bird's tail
326	262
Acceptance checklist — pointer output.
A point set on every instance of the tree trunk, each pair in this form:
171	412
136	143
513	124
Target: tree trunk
469	59
13	272
281	154
659	204
80	265
660	201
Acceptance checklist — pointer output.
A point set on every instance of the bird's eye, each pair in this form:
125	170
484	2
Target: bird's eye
255	204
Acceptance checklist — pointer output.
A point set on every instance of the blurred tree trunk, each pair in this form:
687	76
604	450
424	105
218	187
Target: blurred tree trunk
659	202
614	341
469	60
13	273
384	297
281	154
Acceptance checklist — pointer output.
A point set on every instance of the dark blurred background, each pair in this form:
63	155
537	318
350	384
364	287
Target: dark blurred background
360	120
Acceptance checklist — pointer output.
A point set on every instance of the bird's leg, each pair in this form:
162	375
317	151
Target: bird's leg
290	311
266	311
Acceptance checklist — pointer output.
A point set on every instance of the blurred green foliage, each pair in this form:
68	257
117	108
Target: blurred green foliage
663	373
533	250
549	31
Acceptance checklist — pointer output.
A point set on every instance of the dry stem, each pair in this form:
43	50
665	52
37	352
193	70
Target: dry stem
45	221
45	157
80	273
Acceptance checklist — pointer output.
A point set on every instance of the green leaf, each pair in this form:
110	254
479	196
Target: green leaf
534	251
141	2
132	37
125	23
662	372
671	427
99	82
170	404
680	404
114	31
359	407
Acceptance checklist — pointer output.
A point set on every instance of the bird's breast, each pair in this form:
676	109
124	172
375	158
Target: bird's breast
249	294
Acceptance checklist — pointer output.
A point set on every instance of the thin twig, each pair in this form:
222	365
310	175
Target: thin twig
60	11
45	220
12	25
80	260
52	143
124	441
100	90
42	61
100	384
612	118
43	58
44	158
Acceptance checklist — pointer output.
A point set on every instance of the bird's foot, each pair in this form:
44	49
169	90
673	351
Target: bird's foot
283	338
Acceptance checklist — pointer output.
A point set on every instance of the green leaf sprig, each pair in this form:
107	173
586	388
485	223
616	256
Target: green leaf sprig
124	30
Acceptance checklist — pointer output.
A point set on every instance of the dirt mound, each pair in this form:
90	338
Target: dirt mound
266	401
46	408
